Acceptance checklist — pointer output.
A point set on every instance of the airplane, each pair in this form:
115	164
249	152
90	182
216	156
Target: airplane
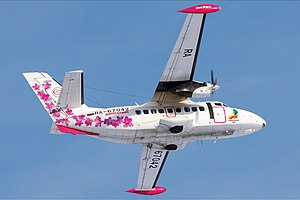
166	123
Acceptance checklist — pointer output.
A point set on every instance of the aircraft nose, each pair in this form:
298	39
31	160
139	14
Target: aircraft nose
258	121
261	121
264	123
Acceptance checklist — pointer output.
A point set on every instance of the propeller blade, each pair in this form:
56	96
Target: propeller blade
212	76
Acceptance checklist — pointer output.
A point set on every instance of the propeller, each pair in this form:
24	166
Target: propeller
213	82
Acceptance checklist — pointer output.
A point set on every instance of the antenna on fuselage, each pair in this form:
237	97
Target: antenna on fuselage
215	141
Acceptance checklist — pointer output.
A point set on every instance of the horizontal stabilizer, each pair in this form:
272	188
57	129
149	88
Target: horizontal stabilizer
72	90
54	129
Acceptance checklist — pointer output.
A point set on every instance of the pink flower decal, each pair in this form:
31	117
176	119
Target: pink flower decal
55	113
36	86
81	117
41	93
98	121
127	122
78	122
65	121
88	121
47	85
69	112
49	106
115	123
62	121
45	97
120	119
108	121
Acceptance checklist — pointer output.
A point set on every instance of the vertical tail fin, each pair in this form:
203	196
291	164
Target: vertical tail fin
46	89
59	101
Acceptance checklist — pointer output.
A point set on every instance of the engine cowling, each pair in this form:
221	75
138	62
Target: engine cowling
205	91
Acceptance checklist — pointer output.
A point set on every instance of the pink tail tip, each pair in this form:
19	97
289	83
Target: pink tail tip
154	191
201	9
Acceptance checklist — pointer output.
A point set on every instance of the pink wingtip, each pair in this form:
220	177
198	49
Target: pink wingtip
202	9
154	191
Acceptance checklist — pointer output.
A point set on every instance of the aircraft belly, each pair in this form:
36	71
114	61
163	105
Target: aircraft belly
208	132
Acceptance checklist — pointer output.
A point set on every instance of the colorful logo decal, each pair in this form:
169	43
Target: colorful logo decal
234	114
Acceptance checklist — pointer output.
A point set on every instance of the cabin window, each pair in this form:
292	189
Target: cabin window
170	110
225	105
138	112
161	110
187	109
201	108
178	110
218	104
194	109
146	112
153	111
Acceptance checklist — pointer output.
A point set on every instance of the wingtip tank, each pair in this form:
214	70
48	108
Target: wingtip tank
154	191
201	9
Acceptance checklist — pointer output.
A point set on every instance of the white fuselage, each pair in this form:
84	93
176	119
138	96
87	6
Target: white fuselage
150	123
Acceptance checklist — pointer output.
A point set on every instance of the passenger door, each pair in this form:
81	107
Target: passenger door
219	114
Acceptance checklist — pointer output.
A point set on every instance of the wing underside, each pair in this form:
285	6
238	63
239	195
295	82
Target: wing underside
151	164
180	68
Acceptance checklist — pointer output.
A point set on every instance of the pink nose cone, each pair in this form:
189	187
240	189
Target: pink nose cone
154	191
201	9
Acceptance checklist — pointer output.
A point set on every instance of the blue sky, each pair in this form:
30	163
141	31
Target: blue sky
123	46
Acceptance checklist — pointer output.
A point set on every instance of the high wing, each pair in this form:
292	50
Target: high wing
151	164
182	62
175	85
176	82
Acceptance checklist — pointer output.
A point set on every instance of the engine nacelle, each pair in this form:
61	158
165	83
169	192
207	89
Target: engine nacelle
205	91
